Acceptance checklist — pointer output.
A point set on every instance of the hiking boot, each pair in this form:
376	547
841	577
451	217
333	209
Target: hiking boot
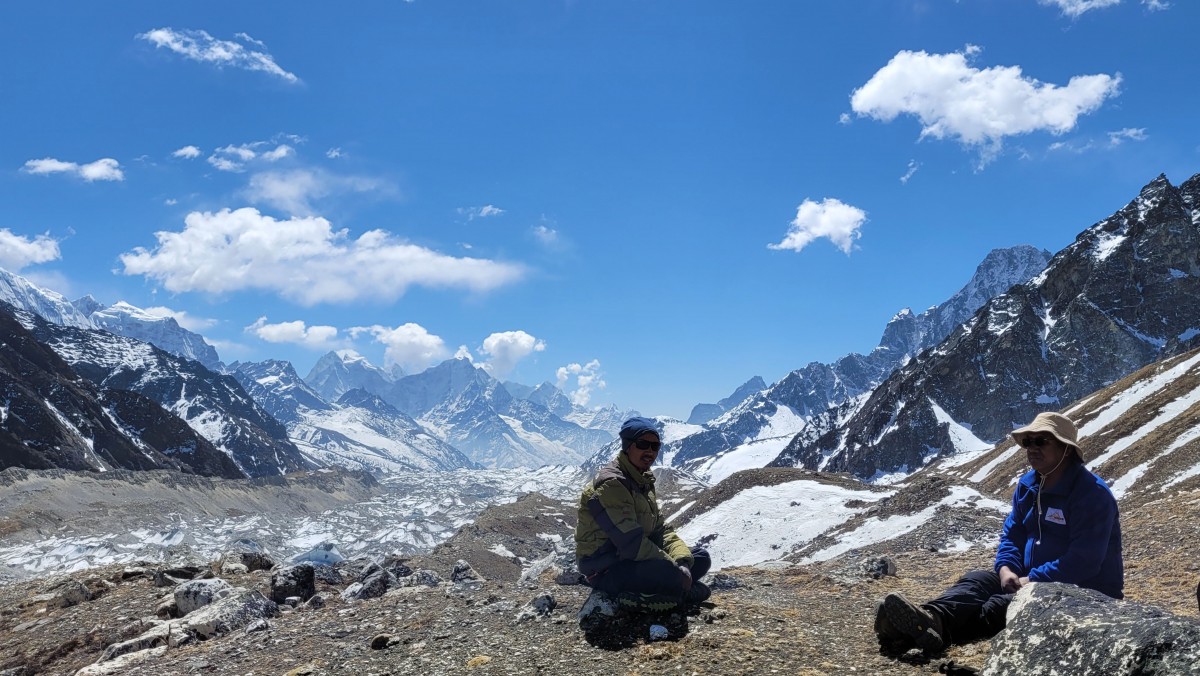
891	639
648	603
921	626
697	594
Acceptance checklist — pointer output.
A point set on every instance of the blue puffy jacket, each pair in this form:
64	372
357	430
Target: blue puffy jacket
1077	538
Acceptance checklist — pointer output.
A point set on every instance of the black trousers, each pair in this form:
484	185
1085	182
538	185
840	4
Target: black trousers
657	576
973	608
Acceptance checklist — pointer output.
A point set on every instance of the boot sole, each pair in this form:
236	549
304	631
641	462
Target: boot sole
908	620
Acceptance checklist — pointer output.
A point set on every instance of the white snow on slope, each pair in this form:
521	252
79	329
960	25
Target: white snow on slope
1166	414
765	522
967	446
751	455
1131	396
877	530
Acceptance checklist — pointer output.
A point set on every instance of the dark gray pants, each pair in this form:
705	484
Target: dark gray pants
973	608
656	576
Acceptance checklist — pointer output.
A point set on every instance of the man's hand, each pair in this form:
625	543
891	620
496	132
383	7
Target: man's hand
687	577
1010	582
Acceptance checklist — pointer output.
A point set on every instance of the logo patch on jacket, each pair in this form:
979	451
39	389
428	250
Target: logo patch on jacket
1056	515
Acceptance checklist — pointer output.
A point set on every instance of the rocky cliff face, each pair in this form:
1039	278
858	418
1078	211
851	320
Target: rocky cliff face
213	405
1116	299
52	418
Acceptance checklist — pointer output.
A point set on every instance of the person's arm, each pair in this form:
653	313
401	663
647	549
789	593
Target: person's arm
1010	555
1093	516
611	505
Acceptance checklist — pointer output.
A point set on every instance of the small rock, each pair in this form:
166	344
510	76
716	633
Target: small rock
876	567
383	641
478	661
317	601
258	625
463	572
722	581
421	578
69	593
247	553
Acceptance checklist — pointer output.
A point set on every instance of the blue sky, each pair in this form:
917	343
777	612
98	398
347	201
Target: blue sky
647	202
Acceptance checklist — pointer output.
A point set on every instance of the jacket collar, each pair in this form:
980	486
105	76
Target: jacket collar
1071	474
643	479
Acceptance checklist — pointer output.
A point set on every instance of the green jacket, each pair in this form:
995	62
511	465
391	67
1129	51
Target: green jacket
619	520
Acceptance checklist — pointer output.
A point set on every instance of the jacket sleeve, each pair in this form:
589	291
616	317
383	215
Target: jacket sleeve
611	505
675	547
1011	551
1092	517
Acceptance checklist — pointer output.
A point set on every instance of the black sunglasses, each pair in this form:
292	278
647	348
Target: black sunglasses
1035	442
644	445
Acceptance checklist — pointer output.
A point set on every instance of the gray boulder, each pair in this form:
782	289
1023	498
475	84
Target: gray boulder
421	578
463	572
298	580
195	594
375	582
247	553
234	611
1063	629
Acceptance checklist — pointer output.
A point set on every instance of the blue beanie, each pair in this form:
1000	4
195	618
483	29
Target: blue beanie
634	428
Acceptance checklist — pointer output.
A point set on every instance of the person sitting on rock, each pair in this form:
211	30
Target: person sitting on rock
1063	527
622	545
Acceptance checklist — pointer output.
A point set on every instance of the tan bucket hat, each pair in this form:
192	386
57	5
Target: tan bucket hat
1057	424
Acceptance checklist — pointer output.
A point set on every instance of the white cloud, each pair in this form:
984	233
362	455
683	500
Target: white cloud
913	166
1074	8
235	158
844	118
304	260
978	107
506	348
295	333
295	191
830	218
409	346
1116	138
1156	5
198	45
105	169
484	211
187	153
588	378
464	352
545	235
17	251
333	153
170	201
182	318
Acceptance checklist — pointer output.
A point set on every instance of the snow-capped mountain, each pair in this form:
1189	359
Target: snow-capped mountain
476	414
49	305
340	371
359	431
702	413
214	405
1119	297
52	418
165	333
755	431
